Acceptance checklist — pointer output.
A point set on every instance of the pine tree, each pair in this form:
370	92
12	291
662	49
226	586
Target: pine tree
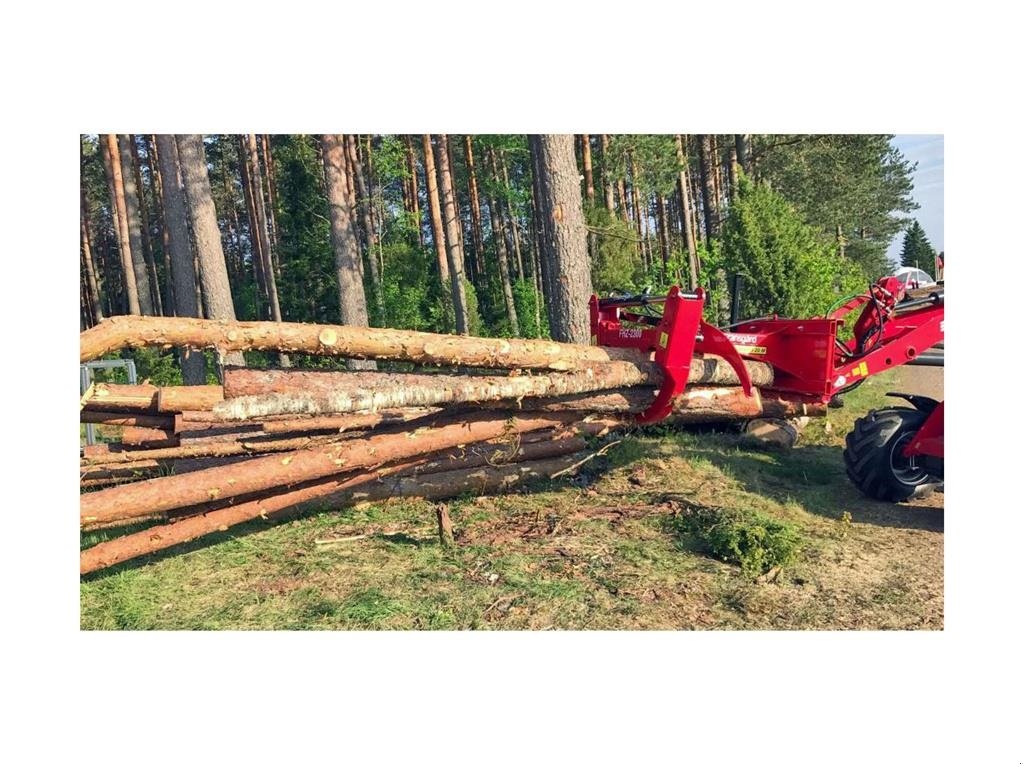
917	251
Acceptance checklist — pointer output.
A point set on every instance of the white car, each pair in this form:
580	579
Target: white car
913	278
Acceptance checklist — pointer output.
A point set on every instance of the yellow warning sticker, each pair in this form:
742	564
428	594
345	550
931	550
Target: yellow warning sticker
664	340
752	349
860	370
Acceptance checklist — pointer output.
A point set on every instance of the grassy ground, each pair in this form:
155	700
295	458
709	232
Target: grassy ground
604	552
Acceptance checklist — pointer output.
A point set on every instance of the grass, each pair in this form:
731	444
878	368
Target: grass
603	551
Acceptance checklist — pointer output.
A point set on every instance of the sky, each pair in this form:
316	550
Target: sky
927	150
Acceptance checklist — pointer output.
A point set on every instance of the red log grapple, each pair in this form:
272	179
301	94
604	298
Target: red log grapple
890	453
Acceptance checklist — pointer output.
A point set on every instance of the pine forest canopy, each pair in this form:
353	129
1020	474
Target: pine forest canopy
477	233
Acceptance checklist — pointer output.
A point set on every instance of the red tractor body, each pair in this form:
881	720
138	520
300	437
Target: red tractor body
810	362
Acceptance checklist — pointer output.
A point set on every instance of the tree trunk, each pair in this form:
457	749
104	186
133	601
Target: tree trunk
686	211
662	226
437	233
261	296
268	163
213	271
365	207
639	214
734	165
262	233
135	238
588	167
565	242
147	246
259	474
707	183
348	262
156	189
414	192
182	273
743	151
606	179
513	224
451	231
90	271
119	214
498	235
474	210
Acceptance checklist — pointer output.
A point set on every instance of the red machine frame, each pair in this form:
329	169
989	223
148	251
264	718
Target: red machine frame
809	359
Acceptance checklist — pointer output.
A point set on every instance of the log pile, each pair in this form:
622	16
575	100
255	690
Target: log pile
488	415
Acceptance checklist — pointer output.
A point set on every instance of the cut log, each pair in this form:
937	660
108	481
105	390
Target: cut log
166	493
349	422
123	397
148	467
175	399
110	418
143	437
366	487
122	332
316	393
115	453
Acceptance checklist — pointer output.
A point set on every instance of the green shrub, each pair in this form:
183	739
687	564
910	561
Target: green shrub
753	541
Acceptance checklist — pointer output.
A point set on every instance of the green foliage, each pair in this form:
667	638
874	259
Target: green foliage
852	186
526	299
917	251
755	542
615	265
789	270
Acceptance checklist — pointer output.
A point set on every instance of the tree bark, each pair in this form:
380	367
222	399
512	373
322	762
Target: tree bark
144	437
363	487
90	270
266	472
588	167
176	399
156	188
268	163
501	253
113	418
513	223
116	333
137	242
662	226
348	262
119	214
451	231
213	272
364	204
564	246
474	210
257	253
606	178
252	160
686	212
414	192
707	183
147	246
743	151
182	274
436	220
251	396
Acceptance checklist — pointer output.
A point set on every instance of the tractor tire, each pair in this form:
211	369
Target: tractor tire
874	462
